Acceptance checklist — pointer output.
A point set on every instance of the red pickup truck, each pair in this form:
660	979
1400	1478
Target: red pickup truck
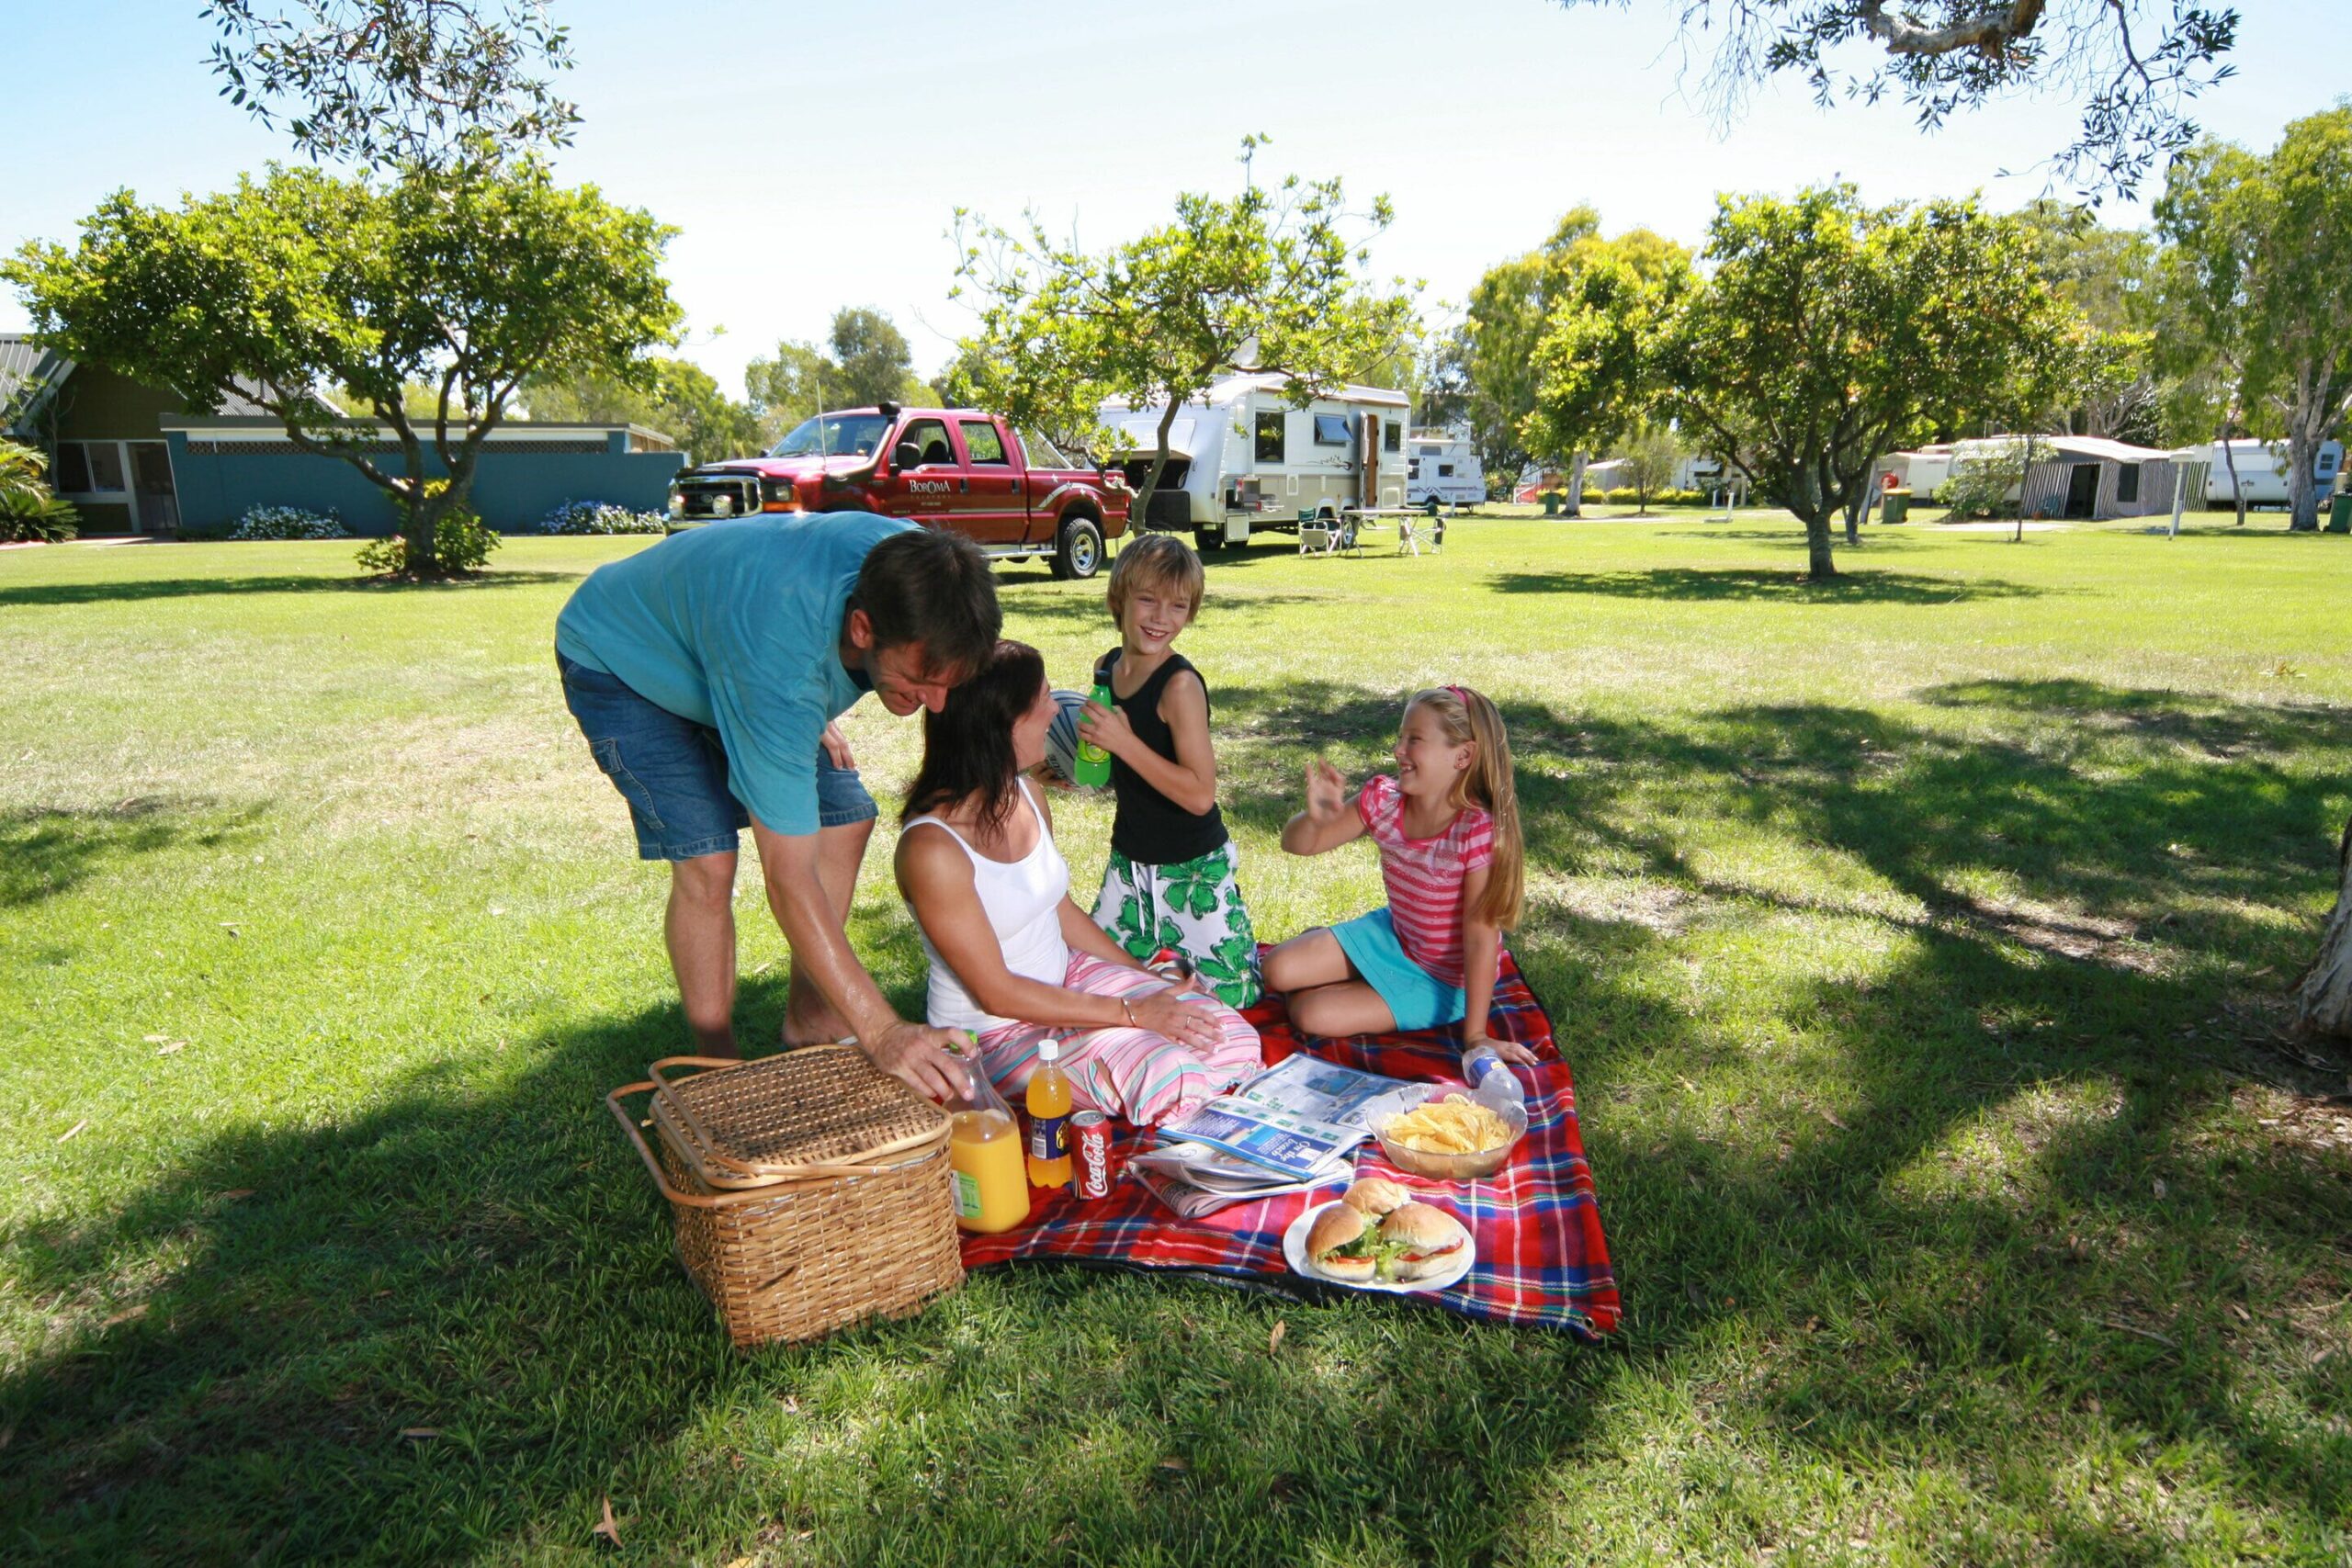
954	468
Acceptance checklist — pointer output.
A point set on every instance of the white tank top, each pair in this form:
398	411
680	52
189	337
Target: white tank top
1023	901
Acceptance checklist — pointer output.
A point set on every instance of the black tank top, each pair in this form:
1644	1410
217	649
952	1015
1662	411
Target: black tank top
1150	828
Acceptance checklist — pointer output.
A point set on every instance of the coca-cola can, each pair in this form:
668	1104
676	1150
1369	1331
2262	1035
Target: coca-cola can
1090	1153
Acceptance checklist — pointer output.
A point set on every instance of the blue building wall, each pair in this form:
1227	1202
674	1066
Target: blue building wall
512	489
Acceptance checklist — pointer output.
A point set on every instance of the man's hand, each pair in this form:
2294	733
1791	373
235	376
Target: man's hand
1326	791
837	749
1107	727
923	1058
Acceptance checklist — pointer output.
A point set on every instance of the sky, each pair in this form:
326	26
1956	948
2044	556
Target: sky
813	156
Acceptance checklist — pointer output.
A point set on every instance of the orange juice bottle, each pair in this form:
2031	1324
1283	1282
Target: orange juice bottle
1048	1101
984	1157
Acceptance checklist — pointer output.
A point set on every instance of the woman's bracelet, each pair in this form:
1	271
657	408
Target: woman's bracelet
1128	1010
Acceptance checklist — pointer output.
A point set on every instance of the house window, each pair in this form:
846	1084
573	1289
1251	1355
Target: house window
1330	430
95	465
981	443
1270	438
2127	482
73	474
1394	440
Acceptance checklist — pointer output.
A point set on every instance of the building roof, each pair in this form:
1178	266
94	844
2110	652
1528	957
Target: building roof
2097	446
28	374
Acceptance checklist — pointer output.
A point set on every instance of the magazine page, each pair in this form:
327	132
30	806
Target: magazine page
1296	1116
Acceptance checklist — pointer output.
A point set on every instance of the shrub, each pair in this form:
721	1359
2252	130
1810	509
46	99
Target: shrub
600	517
1622	495
28	510
289	523
1592	498
461	542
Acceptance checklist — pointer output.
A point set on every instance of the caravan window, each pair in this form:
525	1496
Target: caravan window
1270	438
2127	482
1330	430
1395	438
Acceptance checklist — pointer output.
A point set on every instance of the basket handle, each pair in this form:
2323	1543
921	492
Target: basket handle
628	1126
679	1108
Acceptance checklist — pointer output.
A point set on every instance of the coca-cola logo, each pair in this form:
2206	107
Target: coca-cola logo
1097	1152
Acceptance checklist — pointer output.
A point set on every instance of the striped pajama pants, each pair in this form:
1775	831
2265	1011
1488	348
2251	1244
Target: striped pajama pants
1131	1074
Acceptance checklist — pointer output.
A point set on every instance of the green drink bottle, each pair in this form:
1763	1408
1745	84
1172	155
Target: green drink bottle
1093	762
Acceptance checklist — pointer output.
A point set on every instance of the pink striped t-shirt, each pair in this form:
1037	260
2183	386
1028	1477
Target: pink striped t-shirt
1424	876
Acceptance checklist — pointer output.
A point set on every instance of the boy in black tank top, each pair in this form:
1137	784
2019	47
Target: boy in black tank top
1171	881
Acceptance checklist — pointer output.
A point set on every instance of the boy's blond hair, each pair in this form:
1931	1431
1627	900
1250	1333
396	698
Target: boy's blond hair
1155	560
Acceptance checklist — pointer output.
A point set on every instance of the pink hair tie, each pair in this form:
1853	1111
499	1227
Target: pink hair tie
1461	694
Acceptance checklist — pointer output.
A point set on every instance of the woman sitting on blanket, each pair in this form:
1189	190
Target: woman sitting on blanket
1012	960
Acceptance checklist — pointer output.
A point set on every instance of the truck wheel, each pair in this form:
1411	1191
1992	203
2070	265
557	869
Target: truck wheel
1078	554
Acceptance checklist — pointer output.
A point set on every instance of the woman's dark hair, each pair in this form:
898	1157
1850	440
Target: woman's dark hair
967	744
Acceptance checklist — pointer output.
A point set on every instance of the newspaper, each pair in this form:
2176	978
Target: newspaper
1175	1187
1295	1122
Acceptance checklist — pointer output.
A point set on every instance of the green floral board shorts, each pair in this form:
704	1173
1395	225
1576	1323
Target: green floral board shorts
1195	907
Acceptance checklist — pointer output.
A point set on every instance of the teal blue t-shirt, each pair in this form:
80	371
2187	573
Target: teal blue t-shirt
737	626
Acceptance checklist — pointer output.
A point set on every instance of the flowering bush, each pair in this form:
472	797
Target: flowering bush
289	523
600	517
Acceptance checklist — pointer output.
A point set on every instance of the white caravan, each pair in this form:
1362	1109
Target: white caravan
1442	466
2262	473
1242	457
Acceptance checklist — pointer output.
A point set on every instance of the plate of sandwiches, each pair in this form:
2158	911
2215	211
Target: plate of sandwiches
1378	1237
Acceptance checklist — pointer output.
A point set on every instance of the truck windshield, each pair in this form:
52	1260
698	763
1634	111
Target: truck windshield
835	435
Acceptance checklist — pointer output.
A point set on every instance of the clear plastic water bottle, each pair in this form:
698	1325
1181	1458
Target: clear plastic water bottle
1490	1078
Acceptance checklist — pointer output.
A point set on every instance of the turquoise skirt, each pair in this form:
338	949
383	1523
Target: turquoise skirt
1417	998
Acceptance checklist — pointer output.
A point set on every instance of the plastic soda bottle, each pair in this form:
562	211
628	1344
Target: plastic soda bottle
1049	1103
1486	1063
984	1157
1094	765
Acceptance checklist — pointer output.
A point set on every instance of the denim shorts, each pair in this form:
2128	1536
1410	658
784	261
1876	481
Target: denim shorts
673	771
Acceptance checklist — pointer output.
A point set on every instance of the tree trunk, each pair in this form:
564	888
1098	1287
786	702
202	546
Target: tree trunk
2323	994
2302	495
1574	503
1820	567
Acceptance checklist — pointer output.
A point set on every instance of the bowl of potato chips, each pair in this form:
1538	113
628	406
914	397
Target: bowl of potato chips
1452	1138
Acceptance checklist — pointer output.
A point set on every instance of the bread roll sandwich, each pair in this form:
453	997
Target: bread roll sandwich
1375	1195
1418	1241
1342	1245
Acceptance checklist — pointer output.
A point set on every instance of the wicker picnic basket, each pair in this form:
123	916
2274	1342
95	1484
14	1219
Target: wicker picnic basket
810	1189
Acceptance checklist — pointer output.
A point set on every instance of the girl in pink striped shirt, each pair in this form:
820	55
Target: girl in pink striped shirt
1447	826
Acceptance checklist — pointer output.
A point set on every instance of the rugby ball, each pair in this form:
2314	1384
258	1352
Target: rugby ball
1061	735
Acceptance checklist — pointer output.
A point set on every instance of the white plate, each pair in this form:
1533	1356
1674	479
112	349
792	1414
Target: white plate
1294	1253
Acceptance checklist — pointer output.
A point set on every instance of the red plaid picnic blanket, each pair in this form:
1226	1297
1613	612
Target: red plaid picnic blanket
1541	1258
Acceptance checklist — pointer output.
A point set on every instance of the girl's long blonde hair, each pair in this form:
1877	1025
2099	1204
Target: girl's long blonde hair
1469	719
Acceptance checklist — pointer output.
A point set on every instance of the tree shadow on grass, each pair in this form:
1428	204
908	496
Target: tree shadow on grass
135	590
1943	1253
1704	584
46	851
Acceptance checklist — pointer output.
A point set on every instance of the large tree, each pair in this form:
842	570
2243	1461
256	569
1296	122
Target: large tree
468	279
1510	310
1273	278
2133	65
1830	333
1595	381
2258	254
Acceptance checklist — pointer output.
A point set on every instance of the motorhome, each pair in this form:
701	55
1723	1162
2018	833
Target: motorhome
1442	466
2262	471
1243	457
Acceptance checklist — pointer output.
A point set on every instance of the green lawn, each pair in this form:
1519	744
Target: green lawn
1917	941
